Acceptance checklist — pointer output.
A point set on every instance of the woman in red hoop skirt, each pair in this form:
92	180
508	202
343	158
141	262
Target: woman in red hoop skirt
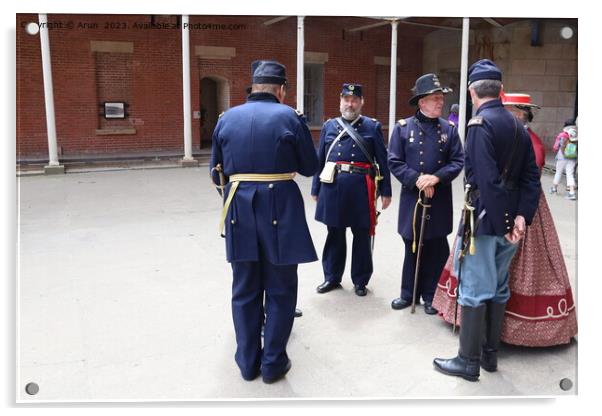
540	311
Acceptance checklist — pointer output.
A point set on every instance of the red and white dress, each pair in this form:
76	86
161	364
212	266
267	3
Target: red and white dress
541	310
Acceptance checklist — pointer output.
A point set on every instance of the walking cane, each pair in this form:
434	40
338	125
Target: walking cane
425	205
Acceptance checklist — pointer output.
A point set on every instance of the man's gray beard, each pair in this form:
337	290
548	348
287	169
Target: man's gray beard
350	114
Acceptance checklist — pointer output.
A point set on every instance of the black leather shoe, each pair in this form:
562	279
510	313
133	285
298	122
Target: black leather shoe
400	303
327	286
298	312
467	363
459	367
361	290
428	308
270	380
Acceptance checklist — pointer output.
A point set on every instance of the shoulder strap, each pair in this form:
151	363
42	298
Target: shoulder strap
359	140
475	121
333	143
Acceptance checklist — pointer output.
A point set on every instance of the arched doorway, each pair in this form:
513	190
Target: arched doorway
215	98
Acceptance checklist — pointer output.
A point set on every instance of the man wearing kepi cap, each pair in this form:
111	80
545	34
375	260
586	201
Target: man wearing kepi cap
425	155
502	198
257	149
353	172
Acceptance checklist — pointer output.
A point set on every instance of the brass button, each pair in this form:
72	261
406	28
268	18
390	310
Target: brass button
421	152
506	214
420	142
275	222
232	221
352	154
339	153
422	163
353	146
271	185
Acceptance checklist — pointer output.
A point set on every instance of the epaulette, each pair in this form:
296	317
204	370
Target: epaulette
222	113
475	121
402	122
299	113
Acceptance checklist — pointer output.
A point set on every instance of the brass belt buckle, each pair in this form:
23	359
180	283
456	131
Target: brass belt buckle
345	167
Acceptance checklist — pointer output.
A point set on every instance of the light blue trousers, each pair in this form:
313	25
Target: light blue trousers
485	274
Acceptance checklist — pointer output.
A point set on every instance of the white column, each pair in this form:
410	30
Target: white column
463	78
186	89
300	61
53	159
393	82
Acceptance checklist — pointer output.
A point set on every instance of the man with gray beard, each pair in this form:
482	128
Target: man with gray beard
353	173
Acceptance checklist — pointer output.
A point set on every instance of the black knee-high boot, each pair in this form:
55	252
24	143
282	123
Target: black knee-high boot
466	364
493	330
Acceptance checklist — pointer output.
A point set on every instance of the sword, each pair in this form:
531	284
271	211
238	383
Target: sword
468	244
222	180
377	179
222	183
425	205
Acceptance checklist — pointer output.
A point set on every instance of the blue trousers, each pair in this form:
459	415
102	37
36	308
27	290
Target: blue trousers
335	252
251	282
485	274
433	256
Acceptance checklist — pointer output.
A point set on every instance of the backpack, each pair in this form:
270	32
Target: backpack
569	149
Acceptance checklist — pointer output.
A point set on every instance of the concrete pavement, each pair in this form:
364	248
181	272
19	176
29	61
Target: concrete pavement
124	294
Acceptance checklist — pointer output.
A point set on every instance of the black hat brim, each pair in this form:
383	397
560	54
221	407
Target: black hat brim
414	99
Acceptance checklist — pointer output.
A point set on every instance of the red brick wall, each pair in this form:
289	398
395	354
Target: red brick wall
114	82
155	97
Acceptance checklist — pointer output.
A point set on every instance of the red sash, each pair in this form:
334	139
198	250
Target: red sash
371	187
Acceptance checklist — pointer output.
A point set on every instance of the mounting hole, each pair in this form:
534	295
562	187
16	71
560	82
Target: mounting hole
566	32
566	384
32	389
32	28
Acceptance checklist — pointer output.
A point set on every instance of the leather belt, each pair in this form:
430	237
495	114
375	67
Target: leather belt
349	168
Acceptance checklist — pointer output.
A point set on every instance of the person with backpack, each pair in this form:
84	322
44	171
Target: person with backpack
565	147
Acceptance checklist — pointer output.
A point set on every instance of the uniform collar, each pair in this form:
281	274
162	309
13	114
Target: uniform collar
353	122
425	119
490	104
262	96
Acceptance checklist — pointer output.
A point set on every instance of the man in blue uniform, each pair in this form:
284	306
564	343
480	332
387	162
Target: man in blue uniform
425	155
257	148
353	166
504	191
